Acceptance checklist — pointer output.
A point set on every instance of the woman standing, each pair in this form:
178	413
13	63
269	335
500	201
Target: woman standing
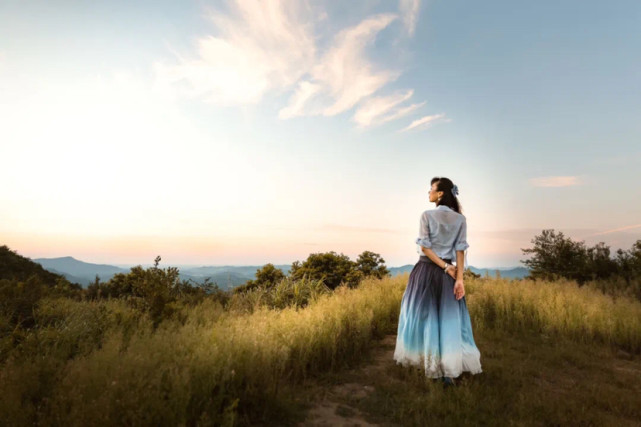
434	327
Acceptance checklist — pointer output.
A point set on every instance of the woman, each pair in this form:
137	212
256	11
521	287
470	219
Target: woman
434	327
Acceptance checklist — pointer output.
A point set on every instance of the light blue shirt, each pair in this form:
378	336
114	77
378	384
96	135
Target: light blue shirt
444	231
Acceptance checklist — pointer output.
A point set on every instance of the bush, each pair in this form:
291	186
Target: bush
289	292
335	269
371	264
156	291
267	277
18	300
555	256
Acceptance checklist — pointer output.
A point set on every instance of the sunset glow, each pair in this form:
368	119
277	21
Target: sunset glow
243	132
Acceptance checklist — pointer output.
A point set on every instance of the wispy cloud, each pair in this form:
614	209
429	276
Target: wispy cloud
272	46
555	181
260	46
305	91
425	122
374	110
616	230
343	75
409	11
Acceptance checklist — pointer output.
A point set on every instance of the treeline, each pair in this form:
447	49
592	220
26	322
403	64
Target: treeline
554	256
161	294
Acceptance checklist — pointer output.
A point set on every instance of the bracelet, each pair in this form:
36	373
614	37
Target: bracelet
445	266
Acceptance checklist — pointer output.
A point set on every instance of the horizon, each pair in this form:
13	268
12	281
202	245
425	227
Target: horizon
254	133
238	265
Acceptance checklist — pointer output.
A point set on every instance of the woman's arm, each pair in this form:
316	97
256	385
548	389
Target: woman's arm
432	255
460	264
451	270
459	288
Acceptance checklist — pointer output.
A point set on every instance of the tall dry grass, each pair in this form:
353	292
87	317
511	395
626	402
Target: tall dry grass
559	308
221	367
208	370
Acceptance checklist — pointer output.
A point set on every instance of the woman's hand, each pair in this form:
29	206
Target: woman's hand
459	289
451	270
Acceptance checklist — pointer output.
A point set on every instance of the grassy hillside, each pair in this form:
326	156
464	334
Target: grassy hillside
16	267
102	363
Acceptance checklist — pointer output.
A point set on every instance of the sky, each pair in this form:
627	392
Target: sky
251	132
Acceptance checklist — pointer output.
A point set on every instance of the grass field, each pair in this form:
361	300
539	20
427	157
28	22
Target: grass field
552	353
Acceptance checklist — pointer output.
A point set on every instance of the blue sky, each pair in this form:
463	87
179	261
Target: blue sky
244	132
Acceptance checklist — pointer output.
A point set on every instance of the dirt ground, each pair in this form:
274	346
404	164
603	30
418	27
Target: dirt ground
332	408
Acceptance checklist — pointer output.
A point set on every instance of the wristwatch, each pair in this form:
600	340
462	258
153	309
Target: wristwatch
445	266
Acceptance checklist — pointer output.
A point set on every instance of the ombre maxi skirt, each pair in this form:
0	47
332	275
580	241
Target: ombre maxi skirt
434	329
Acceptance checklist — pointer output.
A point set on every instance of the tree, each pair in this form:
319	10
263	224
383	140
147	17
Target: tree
371	264
600	264
154	290
330	267
267	276
629	262
555	255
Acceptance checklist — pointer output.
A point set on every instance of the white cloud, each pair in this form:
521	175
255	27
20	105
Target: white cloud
343	75
271	47
409	12
374	111
261	46
345	70
555	181
401	112
425	122
304	93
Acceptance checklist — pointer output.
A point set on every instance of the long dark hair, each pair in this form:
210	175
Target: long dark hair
449	199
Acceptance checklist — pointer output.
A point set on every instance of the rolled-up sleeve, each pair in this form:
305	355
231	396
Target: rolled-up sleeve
461	240
423	238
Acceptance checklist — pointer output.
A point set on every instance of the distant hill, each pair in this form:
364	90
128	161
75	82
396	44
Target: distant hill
17	267
395	271
79	271
507	272
85	273
226	276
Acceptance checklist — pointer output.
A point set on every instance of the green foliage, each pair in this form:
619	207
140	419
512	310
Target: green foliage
156	291
102	363
555	256
330	267
266	277
336	269
371	264
18	300
629	262
22	284
288	292
17	267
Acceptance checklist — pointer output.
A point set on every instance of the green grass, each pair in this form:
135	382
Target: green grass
547	351
527	380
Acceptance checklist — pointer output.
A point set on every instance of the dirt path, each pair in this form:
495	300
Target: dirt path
333	407
557	381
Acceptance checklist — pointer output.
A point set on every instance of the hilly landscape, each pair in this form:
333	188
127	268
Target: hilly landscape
297	353
226	277
85	273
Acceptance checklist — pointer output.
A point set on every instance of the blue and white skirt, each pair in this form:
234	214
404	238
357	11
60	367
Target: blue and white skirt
434	329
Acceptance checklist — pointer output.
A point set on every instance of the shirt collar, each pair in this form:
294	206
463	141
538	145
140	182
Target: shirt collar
443	207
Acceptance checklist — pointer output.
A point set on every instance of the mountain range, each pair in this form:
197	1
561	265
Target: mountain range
226	277
509	272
